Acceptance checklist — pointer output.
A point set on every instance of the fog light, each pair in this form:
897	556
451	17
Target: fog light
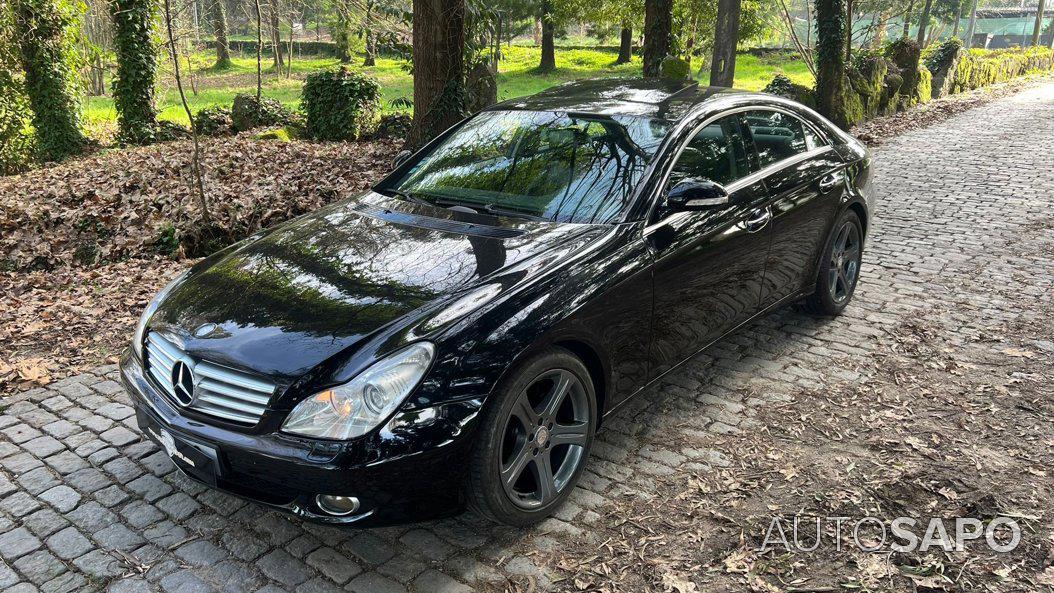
337	505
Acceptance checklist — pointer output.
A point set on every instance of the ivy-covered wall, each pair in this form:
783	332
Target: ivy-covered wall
133	87
46	31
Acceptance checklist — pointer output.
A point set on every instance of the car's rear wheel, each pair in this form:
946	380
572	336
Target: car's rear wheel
839	268
535	438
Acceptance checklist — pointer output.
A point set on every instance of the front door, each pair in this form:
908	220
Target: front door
709	264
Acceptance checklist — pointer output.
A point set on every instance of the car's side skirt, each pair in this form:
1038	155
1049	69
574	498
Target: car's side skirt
778	304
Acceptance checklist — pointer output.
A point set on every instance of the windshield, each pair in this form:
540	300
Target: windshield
549	166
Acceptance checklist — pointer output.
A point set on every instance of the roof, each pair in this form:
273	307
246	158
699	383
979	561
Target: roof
656	97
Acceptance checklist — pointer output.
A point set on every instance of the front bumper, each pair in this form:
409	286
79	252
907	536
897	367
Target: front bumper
411	469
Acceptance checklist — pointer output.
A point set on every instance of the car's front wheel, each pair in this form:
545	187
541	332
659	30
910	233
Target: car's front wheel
535	438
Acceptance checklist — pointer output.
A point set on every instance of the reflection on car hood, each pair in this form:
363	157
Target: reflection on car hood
310	288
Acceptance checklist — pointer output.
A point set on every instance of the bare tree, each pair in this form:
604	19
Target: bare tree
1037	31
259	56
219	27
196	155
924	21
968	42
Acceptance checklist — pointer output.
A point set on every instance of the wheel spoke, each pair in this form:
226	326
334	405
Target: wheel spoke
569	434
511	473
555	397
525	412
852	253
543	467
843	281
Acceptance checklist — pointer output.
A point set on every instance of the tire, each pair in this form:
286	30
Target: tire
839	267
519	438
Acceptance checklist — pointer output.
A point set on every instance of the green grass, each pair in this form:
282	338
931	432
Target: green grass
517	77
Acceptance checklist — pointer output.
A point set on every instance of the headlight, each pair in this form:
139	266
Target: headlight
356	407
140	328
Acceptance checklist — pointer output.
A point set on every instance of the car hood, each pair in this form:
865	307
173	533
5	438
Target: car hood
282	303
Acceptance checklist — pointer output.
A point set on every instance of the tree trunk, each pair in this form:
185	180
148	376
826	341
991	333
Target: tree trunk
276	37
968	42
924	21
726	38
219	27
371	39
879	38
259	56
133	89
830	60
848	31
548	63
537	31
907	19
1037	31
808	26
625	48
958	18
658	24
439	67
50	85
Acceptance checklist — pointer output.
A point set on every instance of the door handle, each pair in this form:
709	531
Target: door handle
758	220
829	182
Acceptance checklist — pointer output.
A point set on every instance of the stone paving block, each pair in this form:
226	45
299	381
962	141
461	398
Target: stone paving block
437	582
200	553
17	543
372	582
333	565
69	544
39	567
283	567
118	537
149	487
62	497
44	522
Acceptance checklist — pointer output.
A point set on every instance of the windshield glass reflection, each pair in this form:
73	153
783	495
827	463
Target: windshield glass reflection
547	165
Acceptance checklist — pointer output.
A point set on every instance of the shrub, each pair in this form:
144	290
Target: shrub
214	120
393	126
339	104
246	115
785	87
674	68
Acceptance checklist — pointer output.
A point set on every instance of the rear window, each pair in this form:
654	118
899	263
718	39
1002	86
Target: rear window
778	136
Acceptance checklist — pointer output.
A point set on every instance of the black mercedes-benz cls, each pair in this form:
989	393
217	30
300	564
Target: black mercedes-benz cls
457	335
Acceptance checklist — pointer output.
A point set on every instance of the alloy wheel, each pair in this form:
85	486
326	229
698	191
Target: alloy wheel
544	439
845	262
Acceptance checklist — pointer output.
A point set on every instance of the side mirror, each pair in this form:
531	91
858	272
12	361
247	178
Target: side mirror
696	194
401	158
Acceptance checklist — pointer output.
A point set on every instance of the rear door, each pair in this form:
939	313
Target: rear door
805	181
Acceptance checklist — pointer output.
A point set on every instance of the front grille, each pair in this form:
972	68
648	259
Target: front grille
218	391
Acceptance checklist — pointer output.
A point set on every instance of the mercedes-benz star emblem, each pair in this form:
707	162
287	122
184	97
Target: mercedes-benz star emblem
183	383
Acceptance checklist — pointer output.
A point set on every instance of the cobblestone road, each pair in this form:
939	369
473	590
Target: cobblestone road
87	504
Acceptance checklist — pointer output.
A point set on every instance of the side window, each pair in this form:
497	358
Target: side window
778	136
717	152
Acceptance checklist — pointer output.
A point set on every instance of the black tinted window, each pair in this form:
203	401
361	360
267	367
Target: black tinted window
717	153
778	136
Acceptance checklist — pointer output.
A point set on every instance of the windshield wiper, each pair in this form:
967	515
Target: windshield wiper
411	198
492	209
489	209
